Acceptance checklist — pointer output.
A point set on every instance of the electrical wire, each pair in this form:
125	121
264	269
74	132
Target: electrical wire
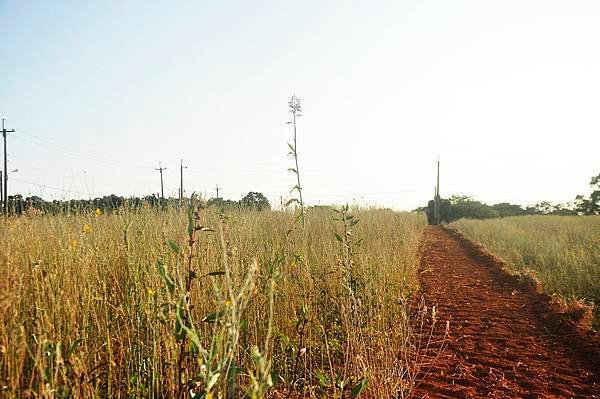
36	140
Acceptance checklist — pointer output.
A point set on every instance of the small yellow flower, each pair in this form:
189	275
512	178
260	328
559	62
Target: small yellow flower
151	292
73	244
227	303
98	212
87	228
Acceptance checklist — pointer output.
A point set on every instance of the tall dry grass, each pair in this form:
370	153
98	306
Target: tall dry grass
562	251
84	311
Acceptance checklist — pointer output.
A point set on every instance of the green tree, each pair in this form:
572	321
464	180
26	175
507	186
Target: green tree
460	206
505	209
256	201
591	205
595	196
544	208
467	207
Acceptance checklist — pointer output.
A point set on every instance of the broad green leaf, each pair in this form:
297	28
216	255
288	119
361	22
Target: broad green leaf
359	387
174	247
338	237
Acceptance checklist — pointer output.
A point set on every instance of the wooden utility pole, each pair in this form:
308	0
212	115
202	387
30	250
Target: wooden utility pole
437	195
181	168
217	188
162	191
433	220
5	185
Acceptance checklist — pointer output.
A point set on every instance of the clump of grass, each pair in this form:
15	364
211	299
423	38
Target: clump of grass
580	312
529	280
87	313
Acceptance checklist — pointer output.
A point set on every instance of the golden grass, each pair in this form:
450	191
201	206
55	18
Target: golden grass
85	313
563	252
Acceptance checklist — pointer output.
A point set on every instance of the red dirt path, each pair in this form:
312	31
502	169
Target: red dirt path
504	341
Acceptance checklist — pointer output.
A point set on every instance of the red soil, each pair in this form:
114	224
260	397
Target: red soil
505	340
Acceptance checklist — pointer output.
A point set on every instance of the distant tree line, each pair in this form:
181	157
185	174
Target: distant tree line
458	206
18	205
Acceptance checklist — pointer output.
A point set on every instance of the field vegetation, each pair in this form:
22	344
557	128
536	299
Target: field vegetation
562	252
191	302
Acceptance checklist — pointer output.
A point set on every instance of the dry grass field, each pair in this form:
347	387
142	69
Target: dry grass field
562	252
133	303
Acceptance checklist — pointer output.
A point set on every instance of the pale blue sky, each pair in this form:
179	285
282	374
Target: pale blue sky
507	92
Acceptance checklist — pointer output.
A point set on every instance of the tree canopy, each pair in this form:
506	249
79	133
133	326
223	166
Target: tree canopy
256	201
590	205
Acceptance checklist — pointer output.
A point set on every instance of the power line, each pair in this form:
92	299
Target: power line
33	139
36	140
92	156
29	138
49	187
110	161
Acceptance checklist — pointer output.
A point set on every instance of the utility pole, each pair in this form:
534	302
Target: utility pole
437	194
162	191
181	168
5	185
217	188
433	220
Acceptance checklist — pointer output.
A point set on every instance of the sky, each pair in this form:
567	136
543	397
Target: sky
506	93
